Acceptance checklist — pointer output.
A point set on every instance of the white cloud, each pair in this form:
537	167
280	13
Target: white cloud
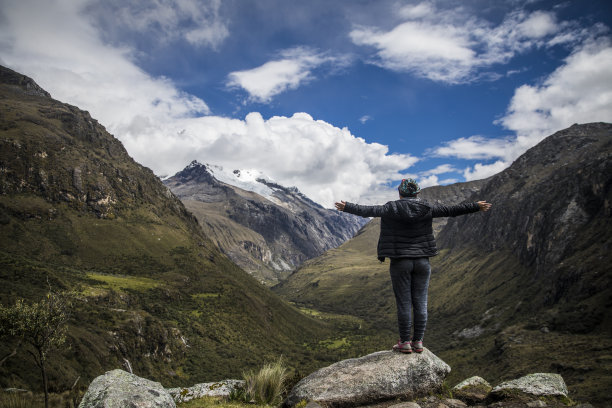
450	46
365	118
428	181
441	169
195	21
324	161
472	148
579	91
293	69
57	45
482	171
163	128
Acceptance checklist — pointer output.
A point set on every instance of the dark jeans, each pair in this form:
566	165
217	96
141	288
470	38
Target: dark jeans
410	279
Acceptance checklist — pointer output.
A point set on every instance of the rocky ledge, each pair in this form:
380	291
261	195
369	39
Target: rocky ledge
380	380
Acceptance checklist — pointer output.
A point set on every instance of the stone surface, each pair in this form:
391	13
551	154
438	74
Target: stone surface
538	384
120	389
406	405
211	389
380	376
472	390
454	403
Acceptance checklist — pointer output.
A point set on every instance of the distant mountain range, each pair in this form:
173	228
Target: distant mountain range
524	287
265	228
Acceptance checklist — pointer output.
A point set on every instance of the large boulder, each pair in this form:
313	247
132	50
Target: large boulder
532	385
380	376
120	389
212	389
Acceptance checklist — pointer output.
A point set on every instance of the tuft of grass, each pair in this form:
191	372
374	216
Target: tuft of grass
218	402
15	400
267	386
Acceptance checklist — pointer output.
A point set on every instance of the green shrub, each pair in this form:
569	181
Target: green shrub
267	386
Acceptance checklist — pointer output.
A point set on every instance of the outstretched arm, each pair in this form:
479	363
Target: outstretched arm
441	210
362	210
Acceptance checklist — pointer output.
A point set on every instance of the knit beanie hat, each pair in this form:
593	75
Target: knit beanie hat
408	187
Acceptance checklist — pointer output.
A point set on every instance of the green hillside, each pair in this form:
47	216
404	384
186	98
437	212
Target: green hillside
76	212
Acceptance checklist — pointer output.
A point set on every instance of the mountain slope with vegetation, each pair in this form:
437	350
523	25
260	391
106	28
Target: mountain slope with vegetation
152	291
267	236
522	288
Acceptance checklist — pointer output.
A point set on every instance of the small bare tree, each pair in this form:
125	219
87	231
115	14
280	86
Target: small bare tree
42	325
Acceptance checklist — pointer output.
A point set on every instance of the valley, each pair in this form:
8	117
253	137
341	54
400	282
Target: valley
196	279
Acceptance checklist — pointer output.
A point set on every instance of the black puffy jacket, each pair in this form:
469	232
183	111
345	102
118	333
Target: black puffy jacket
405	226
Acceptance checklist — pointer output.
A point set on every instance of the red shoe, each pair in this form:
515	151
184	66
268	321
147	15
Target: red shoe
403	347
417	346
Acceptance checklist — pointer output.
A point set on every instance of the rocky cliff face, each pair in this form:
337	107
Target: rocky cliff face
267	236
552	212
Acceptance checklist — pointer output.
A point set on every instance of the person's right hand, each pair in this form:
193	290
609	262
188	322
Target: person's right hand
340	205
483	205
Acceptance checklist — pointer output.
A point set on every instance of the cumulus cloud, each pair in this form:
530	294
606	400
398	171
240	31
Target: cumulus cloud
292	69
447	45
164	128
579	91
56	45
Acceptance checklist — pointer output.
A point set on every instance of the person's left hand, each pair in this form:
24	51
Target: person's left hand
340	205
483	205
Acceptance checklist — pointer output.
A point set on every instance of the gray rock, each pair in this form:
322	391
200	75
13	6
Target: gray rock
536	404
406	405
538	384
454	403
211	389
120	389
380	376
312	404
472	390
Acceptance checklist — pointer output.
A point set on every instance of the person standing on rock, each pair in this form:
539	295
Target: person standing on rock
406	238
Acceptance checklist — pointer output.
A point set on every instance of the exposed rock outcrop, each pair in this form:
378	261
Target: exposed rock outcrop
472	390
380	376
118	388
211	389
538	384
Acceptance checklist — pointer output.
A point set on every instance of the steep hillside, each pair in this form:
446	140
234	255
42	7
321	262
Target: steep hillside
77	212
267	236
530	285
522	288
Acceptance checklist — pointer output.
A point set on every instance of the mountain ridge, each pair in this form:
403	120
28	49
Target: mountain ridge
267	235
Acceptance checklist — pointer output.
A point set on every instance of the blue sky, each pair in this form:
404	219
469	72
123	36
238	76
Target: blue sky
339	98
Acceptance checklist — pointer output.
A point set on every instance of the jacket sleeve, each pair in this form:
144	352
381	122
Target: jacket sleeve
441	210
366	210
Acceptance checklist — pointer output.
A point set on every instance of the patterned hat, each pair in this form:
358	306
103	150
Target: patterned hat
408	187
